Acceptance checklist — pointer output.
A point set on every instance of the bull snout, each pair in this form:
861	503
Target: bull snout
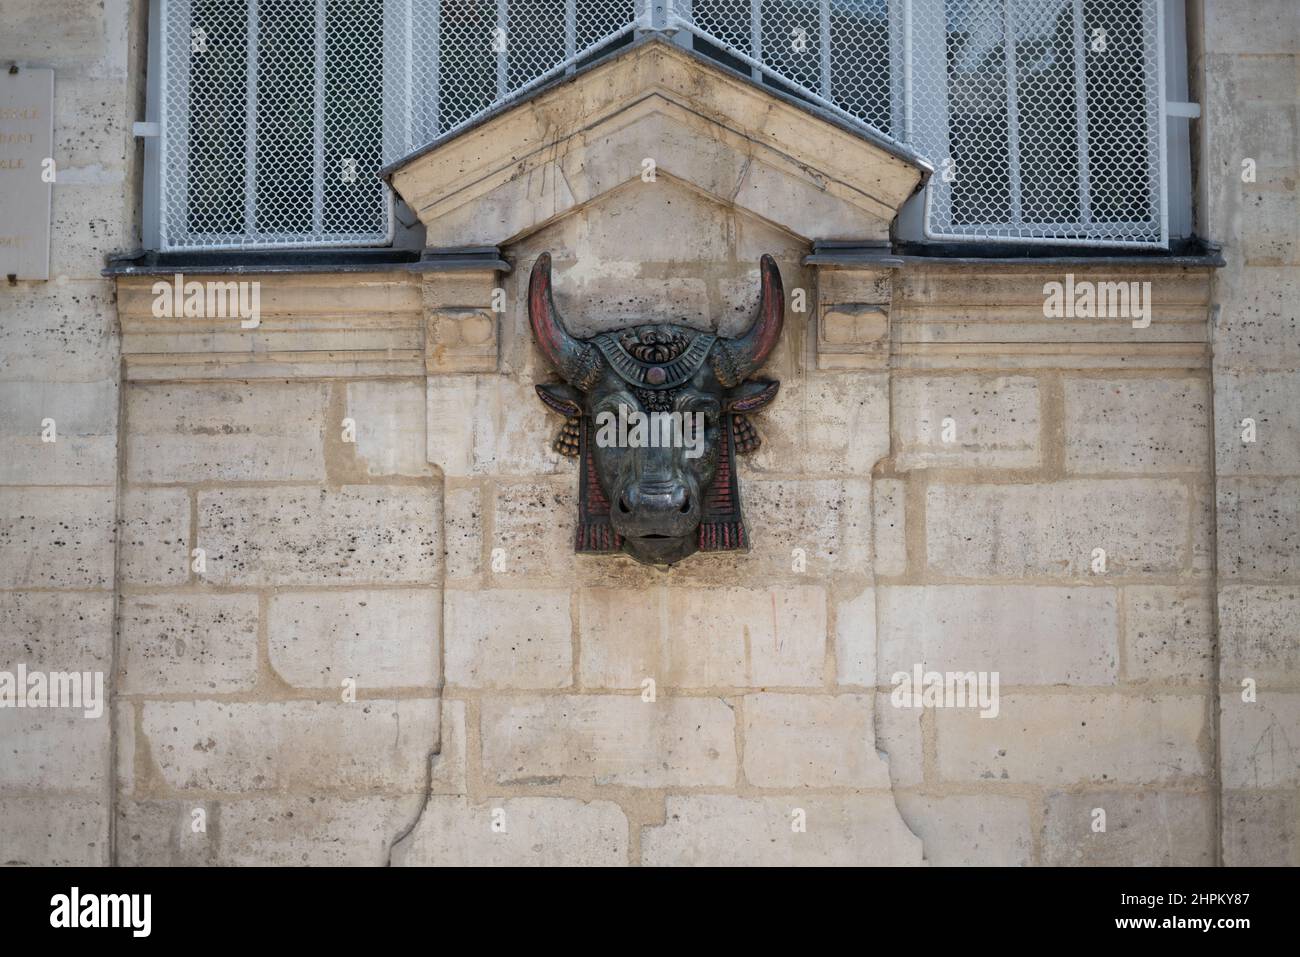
656	510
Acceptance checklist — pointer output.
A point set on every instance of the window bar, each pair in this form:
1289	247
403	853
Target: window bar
501	37
570	33
756	36
435	72
1081	114
408	71
824	45
1013	111
250	124
318	128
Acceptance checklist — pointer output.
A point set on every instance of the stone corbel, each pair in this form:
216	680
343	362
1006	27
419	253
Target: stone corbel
461	321
854	301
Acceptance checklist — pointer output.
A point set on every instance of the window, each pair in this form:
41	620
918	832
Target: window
1044	119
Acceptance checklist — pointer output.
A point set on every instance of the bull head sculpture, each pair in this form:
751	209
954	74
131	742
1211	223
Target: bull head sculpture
656	415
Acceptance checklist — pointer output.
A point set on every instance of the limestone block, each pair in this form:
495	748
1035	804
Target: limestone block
970	830
516	832
195	643
1257	633
305	746
226	432
361	534
722	830
1050	530
890	514
1028	635
1143	829
703	637
609	739
1062	740
50	831
56	631
57	538
1261	828
379	638
1136	425
855	638
508	638
83	420
1169	633
389	417
994	422
1259	527
155	536
1271	401
1259	741
811	741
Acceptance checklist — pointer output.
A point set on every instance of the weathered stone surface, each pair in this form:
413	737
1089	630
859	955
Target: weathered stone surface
155	536
380	638
850	432
1014	630
889	512
1261	828
53	832
1257	633
1260	740
55	750
1144	425
899	740
811	527
703	637
534	527
56	538
1169	634
197	643
1143	829
513	832
83	419
1050	530
609	739
167	833
811	741
1076	739
508	638
995	422
970	830
1269	401
312	831
462	529
389	417
725	830
360	534
68	323
855	639
233	432
54	631
306	746
1259	527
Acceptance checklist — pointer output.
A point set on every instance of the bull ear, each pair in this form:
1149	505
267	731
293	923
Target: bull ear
752	395
561	398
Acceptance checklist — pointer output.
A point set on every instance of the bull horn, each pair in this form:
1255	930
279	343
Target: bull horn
575	360
735	359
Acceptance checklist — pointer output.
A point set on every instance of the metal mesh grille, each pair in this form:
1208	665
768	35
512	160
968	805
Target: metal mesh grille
1042	117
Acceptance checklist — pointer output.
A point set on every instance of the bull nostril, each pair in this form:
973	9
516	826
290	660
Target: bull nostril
623	506
686	504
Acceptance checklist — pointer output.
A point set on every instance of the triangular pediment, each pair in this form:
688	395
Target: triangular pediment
654	110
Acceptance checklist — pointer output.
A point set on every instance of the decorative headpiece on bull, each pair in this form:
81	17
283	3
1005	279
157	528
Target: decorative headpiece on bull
671	489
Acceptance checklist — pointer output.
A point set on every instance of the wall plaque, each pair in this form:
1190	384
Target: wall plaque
26	144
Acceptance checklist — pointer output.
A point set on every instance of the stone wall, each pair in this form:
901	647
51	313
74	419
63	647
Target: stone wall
328	567
59	357
1250	65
